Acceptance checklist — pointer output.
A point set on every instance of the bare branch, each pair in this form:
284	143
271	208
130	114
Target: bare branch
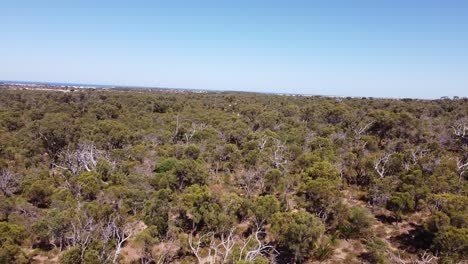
259	249
195	128
417	154
460	128
380	164
8	182
359	130
83	158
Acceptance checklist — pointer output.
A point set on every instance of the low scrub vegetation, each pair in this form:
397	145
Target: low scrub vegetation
94	176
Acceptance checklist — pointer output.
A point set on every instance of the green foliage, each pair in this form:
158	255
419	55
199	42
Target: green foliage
104	169
189	172
401	203
55	131
11	233
323	169
325	249
10	253
92	163
376	251
166	165
71	256
90	185
195	201
298	231
11	237
41	232
453	242
264	207
274	181
358	223
156	211
39	193
319	195
192	151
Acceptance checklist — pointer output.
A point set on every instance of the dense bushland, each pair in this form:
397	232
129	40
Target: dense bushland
94	176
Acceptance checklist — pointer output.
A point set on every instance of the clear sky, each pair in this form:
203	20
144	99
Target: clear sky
384	48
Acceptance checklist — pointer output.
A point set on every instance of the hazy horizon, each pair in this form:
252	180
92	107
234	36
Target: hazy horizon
392	49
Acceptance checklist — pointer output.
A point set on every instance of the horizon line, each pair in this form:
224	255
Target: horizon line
110	86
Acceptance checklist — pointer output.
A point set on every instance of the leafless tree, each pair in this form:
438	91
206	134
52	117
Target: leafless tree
460	128
359	130
83	158
197	245
83	230
248	180
380	164
259	249
395	258
122	232
227	242
437	204
279	152
8	182
195	128
263	142
213	249
417	154
106	234
425	258
323	214
462	169
221	245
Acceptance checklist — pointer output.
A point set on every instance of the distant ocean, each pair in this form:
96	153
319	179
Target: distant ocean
85	85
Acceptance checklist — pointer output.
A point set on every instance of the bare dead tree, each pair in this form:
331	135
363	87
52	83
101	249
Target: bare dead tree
166	252
426	258
106	232
395	258
83	231
219	250
259	249
437	204
263	142
359	130
83	158
278	156
248	180
460	128
380	198
323	214
213	250
380	164
122	232
227	242
194	129
309	137
417	154
462	169
8	182
197	245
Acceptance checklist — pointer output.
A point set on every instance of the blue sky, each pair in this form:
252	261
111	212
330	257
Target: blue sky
334	47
